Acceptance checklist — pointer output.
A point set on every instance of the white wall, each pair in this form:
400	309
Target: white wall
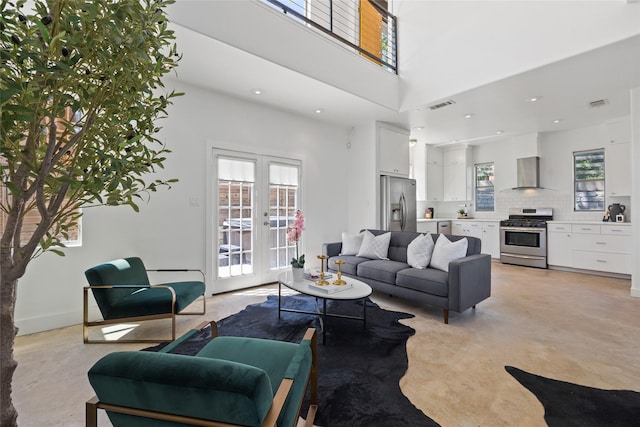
556	171
460	31
635	187
258	28
362	185
169	232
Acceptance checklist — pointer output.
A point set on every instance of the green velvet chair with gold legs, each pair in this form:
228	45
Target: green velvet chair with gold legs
232	381
124	294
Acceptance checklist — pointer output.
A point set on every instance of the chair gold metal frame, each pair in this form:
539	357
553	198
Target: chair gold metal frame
279	399
86	324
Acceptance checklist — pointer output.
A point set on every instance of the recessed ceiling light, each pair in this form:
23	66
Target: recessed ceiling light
499	132
319	110
534	99
418	128
257	91
557	120
468	116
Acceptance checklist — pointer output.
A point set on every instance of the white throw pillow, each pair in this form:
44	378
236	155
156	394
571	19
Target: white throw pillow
419	251
375	246
446	251
351	243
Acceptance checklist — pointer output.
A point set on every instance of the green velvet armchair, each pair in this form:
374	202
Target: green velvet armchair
232	381
124	294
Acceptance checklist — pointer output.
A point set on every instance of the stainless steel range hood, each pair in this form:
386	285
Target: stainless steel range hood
528	173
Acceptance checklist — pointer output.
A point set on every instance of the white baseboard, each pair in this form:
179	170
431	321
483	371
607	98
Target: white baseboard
33	325
46	323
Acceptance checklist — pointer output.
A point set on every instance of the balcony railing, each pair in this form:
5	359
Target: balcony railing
365	26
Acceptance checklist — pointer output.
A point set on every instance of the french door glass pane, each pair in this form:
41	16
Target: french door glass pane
283	204
236	180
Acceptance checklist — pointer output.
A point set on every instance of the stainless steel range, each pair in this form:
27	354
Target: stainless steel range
523	237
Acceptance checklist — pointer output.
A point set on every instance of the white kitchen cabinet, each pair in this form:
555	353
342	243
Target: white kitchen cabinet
488	233
458	228
607	250
427	171
393	150
457	174
427	227
617	157
559	245
491	238
465	227
434	187
597	247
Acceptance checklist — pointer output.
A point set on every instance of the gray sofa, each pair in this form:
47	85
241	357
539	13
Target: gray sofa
467	283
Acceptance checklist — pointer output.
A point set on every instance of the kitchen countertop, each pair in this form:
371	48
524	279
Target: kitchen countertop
457	219
590	222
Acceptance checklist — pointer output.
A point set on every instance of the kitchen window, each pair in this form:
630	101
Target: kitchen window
588	178
485	194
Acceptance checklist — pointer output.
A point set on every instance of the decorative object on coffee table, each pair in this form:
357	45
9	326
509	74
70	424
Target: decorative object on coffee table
339	281
322	281
294	232
298	274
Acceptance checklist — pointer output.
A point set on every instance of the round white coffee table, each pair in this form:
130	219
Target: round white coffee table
354	289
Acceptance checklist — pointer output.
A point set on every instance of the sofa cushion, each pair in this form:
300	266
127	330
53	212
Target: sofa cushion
212	389
446	251
375	247
350	263
398	243
285	360
351	243
429	280
419	251
381	270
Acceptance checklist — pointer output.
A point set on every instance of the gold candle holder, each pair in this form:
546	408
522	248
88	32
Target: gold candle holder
339	281
322	281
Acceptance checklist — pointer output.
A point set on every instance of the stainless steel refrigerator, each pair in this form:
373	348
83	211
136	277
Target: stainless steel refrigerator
397	204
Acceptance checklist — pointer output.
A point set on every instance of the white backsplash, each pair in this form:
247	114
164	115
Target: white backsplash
561	202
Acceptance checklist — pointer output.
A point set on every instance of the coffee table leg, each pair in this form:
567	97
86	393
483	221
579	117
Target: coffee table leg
324	320
364	313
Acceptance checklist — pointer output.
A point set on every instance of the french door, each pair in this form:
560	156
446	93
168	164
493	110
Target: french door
253	200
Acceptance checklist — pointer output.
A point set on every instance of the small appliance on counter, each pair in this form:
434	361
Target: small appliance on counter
616	212
429	214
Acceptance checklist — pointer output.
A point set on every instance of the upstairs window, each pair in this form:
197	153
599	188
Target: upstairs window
588	178
485	194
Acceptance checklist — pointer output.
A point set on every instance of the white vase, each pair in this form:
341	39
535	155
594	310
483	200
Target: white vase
298	274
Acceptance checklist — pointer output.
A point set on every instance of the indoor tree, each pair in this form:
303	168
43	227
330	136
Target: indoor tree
80	96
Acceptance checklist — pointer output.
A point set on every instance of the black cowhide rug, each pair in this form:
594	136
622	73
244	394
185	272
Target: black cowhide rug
566	404
359	371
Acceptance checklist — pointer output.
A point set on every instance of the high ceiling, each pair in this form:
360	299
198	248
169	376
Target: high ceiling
564	87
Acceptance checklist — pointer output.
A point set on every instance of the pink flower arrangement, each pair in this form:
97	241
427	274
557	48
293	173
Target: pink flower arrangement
294	232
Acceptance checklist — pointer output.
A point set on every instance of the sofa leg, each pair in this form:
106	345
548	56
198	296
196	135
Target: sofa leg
445	313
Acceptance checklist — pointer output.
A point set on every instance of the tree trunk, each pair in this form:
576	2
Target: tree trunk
8	331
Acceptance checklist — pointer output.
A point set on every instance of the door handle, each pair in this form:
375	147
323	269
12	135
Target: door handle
403	213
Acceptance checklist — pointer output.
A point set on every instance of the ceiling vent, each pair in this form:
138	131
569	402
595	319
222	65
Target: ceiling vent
599	103
442	104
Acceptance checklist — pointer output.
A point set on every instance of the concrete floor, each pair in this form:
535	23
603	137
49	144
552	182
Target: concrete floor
568	326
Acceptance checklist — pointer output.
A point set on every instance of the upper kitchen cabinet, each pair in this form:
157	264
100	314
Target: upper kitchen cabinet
617	169
427	171
393	150
457	174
